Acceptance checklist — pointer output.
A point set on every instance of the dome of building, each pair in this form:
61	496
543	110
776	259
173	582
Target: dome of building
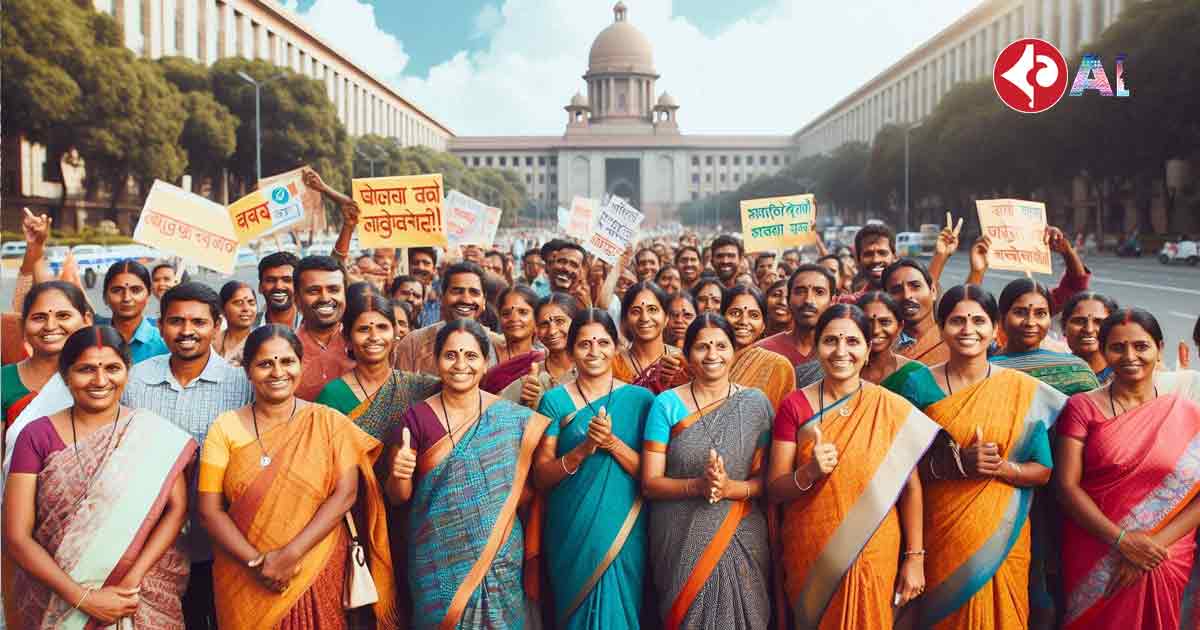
666	100
621	47
579	100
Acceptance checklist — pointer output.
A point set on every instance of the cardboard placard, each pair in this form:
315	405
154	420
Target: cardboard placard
270	208
400	211
189	226
615	229
310	199
778	222
1018	232
581	218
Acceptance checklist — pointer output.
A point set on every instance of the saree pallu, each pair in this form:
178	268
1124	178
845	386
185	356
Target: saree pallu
272	505
595	538
1065	372
978	571
379	414
928	348
96	534
915	383
1141	468
509	371
841	541
466	544
710	562
764	370
651	377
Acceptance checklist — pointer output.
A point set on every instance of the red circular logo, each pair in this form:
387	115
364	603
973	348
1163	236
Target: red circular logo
1030	75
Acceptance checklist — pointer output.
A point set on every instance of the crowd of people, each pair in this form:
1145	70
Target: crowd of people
694	437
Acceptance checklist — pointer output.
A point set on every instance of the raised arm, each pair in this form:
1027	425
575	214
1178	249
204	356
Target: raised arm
947	244
610	281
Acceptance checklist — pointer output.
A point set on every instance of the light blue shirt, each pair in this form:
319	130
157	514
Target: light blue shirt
146	341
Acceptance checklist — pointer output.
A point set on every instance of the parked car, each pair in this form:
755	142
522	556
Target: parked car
140	253
1180	251
909	244
246	257
93	262
12	249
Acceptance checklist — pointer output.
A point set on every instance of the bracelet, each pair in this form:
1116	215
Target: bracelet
687	487
562	461
797	482
87	590
1120	537
933	471
918	552
1016	468
335	252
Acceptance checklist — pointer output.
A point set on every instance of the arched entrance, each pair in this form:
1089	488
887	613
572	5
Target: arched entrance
622	177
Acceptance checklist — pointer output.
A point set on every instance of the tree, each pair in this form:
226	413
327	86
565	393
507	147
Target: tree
210	133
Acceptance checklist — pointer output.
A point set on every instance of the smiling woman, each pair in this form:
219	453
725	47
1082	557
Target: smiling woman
1025	311
127	292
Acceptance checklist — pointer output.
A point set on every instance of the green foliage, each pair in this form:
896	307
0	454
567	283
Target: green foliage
210	133
185	74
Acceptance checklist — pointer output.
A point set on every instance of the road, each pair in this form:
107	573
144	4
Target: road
1171	292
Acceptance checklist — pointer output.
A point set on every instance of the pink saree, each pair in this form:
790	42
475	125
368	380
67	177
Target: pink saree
1141	468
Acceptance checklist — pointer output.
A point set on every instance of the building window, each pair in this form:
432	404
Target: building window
503	161
737	160
541	160
708	178
553	178
541	196
762	160
749	160
489	160
723	160
553	195
516	160
695	196
708	160
695	160
541	178
722	178
528	161
737	177
695	178
553	160
528	179
775	160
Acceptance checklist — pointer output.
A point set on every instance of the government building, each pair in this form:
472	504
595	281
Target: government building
623	137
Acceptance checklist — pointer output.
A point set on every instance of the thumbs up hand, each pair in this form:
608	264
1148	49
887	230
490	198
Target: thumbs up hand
715	475
824	456
981	459
531	387
404	462
600	430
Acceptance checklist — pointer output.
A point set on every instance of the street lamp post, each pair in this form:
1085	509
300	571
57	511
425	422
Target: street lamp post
257	119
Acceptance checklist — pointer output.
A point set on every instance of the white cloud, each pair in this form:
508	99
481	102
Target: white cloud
350	26
487	21
770	72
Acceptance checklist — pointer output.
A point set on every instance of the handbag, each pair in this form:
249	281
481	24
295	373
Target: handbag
360	586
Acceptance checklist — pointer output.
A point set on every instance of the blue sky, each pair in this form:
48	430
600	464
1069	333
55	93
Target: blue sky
507	67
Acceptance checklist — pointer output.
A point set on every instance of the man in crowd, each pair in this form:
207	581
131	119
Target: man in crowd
687	261
462	298
163	277
408	289
874	249
493	263
810	292
532	266
565	269
422	265
190	387
646	264
764	271
321	289
727	258
913	288
792	259
275	273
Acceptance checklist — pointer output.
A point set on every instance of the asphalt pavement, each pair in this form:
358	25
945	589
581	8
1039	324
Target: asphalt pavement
1170	292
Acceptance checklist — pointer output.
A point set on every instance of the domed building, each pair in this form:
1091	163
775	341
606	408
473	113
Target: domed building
623	138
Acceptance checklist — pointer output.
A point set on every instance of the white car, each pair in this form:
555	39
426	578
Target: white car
12	249
1180	251
140	253
246	257
93	262
909	244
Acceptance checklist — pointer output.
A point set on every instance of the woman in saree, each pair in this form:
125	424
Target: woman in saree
50	312
519	326
703	461
277	478
1025	309
1082	315
403	313
779	314
852	534
885	367
766	371
708	292
240	308
681	311
127	293
554	314
372	394
94	503
648	361
589	464
460	462
1127	481
978	487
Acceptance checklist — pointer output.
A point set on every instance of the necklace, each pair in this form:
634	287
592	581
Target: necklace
370	397
611	381
846	409
637	366
265	460
449	432
695	401
107	450
1112	403
946	371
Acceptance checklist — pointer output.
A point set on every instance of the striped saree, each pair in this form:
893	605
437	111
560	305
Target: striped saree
377	414
841	541
710	562
978	571
763	370
1065	372
466	546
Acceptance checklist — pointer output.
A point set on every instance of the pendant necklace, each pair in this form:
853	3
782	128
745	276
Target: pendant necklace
845	410
265	460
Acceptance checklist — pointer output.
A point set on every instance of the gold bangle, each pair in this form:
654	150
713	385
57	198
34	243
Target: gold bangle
796	481
918	552
562	461
87	590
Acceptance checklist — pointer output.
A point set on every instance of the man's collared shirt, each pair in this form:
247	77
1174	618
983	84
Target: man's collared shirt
540	285
414	353
146	341
320	364
192	407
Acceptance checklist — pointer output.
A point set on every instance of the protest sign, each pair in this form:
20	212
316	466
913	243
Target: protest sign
615	228
778	222
310	199
400	211
182	224
581	218
488	226
564	218
464	219
1017	229
270	208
